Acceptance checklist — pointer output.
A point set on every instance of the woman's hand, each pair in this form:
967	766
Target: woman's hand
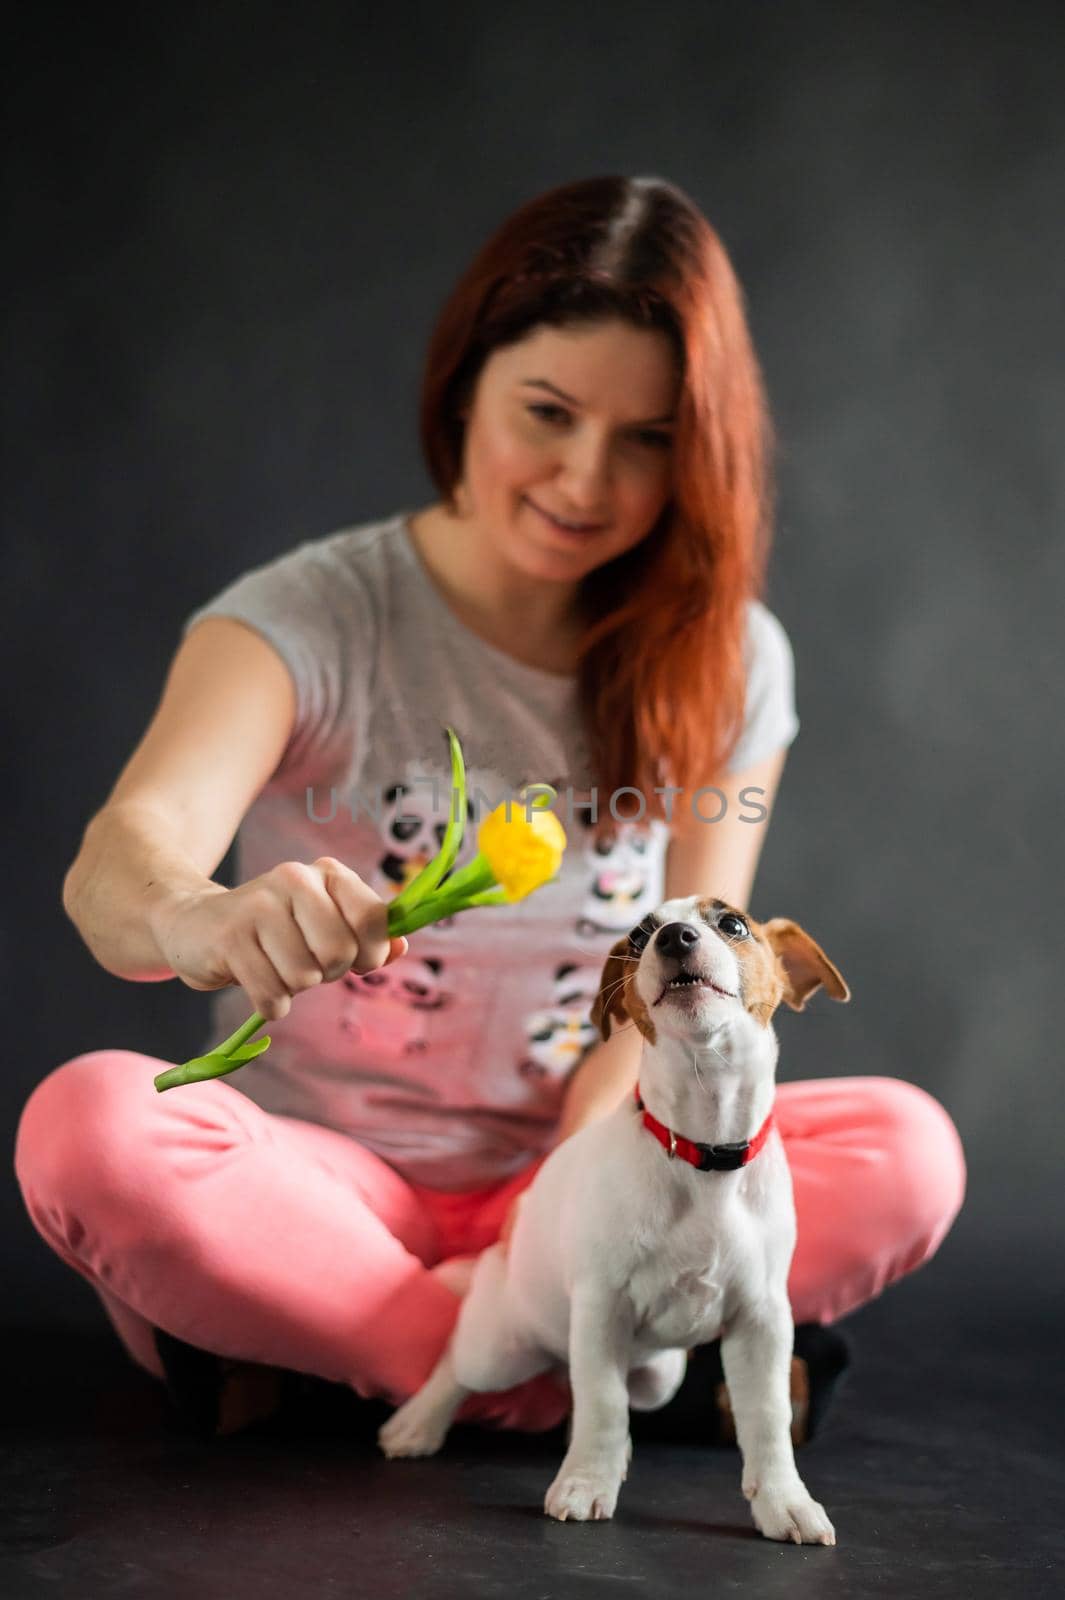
285	931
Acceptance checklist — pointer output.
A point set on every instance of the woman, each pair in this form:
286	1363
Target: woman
582	605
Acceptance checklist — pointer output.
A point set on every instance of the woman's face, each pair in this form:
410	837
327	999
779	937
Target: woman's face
572	423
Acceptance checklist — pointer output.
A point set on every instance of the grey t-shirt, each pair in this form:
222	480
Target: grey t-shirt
451	1063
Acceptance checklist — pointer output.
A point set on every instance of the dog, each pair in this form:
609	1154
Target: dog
664	1225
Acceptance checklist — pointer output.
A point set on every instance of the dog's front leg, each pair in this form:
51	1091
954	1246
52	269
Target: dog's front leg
600	1337
756	1357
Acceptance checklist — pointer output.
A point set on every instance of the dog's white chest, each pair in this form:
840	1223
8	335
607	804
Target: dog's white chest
678	1307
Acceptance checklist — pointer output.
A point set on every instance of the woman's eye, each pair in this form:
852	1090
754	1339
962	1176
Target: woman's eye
647	436
735	927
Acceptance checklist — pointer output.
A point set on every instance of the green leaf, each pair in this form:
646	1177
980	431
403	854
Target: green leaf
427	879
214	1065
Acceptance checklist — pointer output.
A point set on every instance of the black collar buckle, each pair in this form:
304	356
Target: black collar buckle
722	1157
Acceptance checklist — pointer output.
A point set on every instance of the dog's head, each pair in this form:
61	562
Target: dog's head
697	964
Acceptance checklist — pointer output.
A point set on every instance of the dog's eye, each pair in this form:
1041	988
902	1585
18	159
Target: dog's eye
639	936
734	926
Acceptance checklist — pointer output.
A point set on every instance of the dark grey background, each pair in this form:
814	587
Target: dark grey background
229	230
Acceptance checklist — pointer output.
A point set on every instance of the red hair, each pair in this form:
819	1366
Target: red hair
661	670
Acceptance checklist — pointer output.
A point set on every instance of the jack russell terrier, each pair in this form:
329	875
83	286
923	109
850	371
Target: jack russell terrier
664	1225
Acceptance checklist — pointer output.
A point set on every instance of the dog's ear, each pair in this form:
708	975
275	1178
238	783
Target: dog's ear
804	964
610	1001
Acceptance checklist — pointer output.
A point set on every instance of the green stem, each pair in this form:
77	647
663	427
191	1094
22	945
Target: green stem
476	874
442	905
413	893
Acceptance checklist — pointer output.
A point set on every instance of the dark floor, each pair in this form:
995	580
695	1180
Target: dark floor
940	1464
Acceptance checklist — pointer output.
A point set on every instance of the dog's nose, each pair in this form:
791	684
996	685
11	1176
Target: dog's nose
676	939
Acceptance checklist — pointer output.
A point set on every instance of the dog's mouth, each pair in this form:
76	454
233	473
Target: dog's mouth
687	984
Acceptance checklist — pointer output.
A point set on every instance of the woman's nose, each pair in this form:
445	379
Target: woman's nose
585	475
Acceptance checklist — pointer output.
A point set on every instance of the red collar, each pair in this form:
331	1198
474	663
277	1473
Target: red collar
707	1157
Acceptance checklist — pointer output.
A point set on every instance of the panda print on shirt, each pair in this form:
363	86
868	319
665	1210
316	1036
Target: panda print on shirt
391	1006
616	881
621	881
558	1036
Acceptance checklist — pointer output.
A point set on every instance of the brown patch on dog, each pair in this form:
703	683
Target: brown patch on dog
761	982
618	996
804	964
778	962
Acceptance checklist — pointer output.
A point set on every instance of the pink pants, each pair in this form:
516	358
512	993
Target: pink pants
267	1239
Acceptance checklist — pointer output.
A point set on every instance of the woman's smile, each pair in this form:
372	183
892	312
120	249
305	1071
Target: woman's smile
578	533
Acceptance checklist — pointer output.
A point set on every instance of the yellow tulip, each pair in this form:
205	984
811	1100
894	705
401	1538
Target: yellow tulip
523	851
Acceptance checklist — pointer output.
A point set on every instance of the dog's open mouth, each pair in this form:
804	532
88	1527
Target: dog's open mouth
691	981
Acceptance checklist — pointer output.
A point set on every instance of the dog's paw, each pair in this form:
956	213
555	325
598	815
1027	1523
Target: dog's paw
786	1510
413	1430
582	1496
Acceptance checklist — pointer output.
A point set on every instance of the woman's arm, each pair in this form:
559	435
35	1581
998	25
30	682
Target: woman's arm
603	1079
218	732
128	878
721	858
